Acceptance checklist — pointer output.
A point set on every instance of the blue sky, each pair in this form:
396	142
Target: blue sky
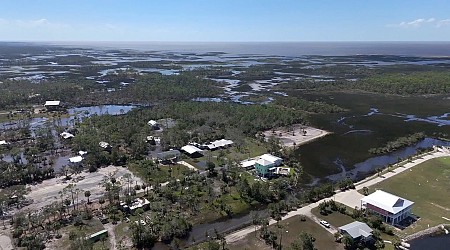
225	20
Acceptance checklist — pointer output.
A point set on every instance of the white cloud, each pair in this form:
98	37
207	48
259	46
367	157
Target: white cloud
422	22
31	24
442	23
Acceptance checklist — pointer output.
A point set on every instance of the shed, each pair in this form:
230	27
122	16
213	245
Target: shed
96	236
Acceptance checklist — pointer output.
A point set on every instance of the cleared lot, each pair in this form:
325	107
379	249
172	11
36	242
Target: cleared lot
48	191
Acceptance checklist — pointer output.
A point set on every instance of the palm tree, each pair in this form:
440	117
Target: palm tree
87	194
365	191
101	201
337	235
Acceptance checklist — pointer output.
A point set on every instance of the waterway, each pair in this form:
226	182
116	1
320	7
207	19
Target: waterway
441	242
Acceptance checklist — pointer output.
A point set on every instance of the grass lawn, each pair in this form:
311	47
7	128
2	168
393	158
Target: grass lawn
426	184
294	226
90	227
335	219
162	174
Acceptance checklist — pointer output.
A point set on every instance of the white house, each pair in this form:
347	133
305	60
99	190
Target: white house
357	230
3	142
391	208
265	162
154	124
52	105
76	160
66	135
191	150
104	145
222	143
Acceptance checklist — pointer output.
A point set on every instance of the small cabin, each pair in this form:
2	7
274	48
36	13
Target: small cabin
53	105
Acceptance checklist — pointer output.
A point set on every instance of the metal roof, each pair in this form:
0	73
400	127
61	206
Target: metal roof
76	159
52	103
387	201
270	158
191	149
170	153
357	229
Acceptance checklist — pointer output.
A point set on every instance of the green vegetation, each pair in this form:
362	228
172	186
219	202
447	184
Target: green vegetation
339	215
398	144
402	81
411	83
313	107
426	185
291	230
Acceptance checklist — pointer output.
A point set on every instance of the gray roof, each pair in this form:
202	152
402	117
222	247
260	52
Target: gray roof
170	153
357	229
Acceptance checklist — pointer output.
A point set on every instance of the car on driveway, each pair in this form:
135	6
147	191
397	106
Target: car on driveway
325	224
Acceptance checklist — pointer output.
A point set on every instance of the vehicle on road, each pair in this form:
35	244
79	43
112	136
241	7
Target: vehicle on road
325	224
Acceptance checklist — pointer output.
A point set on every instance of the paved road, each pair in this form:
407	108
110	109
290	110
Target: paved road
350	198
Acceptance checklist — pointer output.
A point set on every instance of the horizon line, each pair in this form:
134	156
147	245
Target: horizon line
155	41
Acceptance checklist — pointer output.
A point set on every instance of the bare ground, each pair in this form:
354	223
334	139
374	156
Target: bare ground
295	135
48	191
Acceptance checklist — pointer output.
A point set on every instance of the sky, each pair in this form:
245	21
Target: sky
225	20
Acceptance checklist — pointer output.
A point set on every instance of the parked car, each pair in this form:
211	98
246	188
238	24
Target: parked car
325	224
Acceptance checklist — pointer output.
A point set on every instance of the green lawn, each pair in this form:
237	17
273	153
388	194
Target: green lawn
90	227
162	174
335	219
294	226
428	185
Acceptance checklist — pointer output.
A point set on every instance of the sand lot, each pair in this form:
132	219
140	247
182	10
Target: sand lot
294	134
48	191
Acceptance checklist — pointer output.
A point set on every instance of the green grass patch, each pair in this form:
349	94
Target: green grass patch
427	185
335	218
90	227
161	174
294	226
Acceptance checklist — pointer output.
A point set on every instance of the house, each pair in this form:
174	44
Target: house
219	144
280	171
82	152
192	151
52	105
248	164
3	143
154	124
265	162
391	208
358	231
137	203
169	155
66	135
104	145
76	160
153	139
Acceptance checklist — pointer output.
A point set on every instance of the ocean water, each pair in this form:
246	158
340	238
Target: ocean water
293	49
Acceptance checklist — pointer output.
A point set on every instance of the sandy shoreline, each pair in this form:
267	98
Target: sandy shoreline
296	135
